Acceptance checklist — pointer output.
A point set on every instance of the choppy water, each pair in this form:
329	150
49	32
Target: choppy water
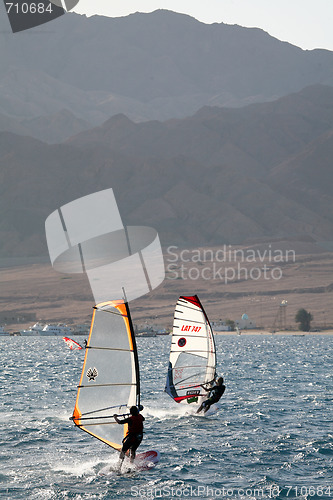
273	437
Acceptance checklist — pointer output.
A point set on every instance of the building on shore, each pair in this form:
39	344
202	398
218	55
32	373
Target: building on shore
245	323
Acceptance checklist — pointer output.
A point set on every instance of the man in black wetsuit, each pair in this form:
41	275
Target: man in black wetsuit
215	393
134	434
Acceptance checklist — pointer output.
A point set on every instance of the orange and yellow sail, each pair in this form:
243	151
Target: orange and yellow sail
110	381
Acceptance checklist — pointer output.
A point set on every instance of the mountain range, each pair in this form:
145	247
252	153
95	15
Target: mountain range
76	72
220	176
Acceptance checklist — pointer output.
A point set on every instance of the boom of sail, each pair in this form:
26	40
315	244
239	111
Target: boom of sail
110	381
193	353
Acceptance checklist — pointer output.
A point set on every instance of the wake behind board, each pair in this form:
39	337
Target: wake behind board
143	461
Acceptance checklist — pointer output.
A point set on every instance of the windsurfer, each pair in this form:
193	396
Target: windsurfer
215	394
134	434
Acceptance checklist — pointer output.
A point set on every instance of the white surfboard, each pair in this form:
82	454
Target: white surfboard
147	460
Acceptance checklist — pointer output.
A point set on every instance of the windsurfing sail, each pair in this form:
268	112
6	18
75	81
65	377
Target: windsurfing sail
110	381
193	353
71	343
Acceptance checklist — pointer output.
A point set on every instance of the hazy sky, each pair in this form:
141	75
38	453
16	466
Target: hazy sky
305	23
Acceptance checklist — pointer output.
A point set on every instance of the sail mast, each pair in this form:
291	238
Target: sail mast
135	354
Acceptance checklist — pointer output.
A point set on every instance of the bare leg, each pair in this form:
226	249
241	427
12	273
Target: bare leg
206	408
132	456
200	408
121	459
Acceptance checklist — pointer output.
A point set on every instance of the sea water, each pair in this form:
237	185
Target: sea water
271	438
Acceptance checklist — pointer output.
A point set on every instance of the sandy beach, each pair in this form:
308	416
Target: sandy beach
306	282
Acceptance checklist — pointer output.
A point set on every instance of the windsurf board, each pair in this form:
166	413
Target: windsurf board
143	461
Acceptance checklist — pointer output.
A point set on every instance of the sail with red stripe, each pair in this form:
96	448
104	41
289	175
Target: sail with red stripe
110	381
71	343
193	354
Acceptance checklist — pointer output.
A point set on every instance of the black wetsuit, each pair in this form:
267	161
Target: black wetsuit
135	432
215	394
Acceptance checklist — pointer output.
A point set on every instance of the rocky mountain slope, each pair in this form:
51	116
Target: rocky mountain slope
221	176
147	66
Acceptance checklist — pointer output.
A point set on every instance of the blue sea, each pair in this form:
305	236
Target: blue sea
272	437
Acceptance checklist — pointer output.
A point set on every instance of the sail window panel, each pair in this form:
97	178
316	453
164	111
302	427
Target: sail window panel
188	360
106	430
102	401
199	359
112	368
188	370
108	433
109	330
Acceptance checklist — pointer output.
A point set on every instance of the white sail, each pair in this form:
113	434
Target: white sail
192	355
110	380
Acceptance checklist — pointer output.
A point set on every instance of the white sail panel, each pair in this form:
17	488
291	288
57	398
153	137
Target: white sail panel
192	355
110	376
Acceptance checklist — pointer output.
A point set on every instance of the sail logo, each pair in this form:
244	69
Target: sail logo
192	396
178	373
181	342
92	374
190	328
24	15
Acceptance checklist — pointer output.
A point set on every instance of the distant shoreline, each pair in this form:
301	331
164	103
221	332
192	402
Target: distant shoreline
255	331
